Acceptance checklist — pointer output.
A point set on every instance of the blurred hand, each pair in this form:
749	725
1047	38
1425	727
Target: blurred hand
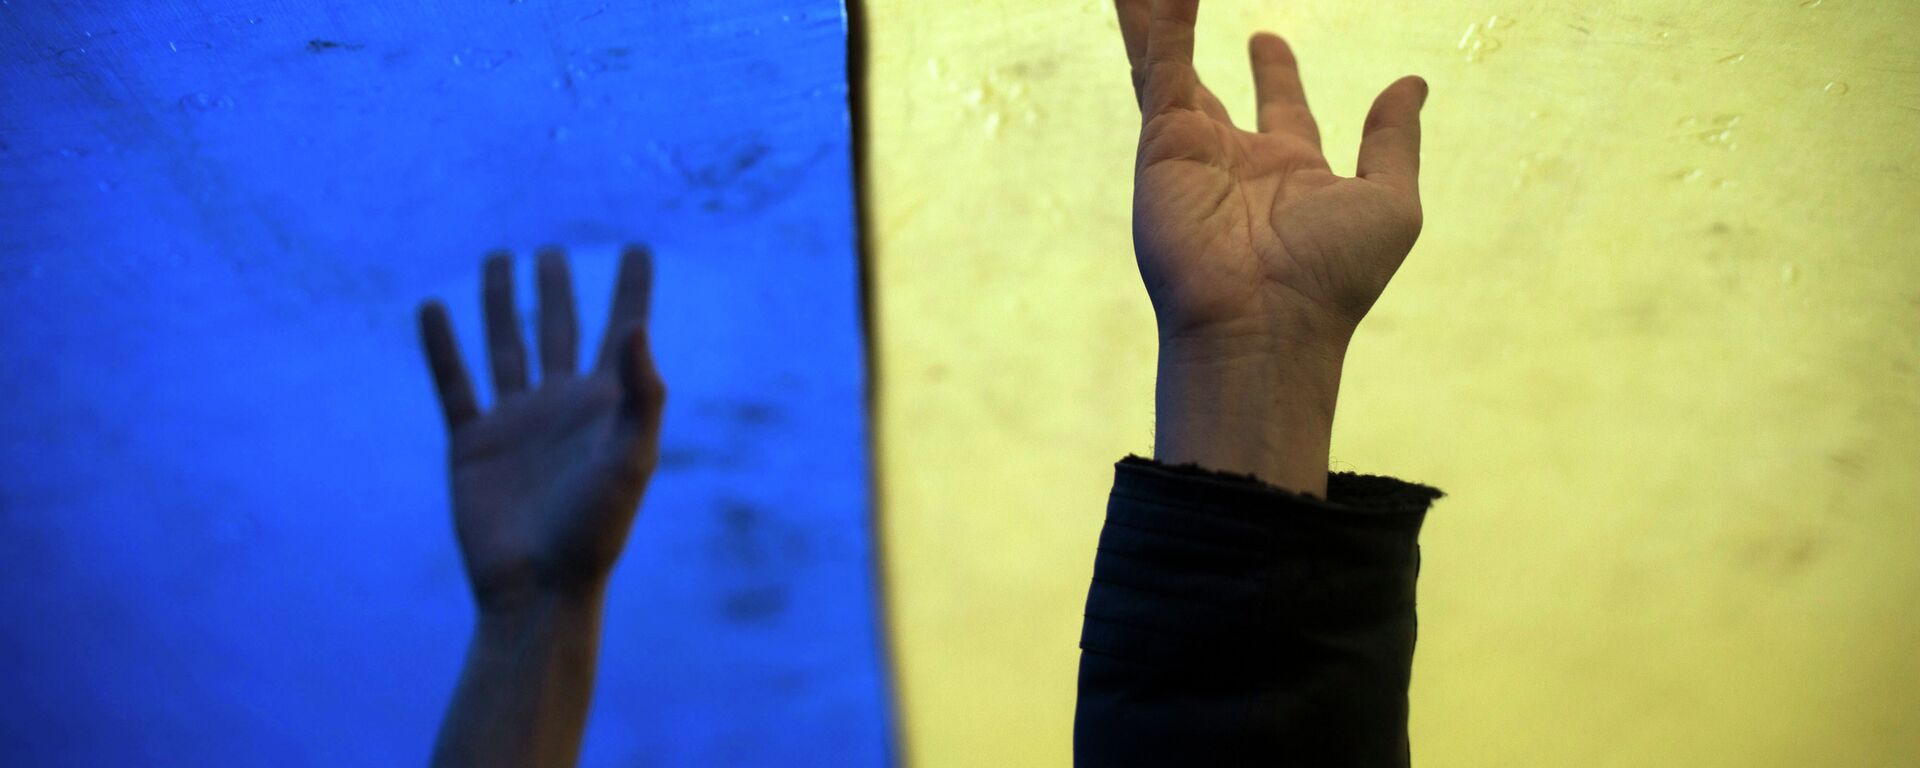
546	485
1249	236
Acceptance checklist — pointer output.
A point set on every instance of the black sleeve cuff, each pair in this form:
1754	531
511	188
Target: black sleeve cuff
1229	612
1190	557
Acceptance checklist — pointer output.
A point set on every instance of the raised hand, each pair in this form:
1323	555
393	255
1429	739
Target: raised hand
546	484
1260	260
1250	235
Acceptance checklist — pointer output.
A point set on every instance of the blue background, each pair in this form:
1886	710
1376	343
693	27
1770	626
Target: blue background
224	531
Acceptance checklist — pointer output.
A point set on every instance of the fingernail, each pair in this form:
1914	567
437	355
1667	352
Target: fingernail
1423	91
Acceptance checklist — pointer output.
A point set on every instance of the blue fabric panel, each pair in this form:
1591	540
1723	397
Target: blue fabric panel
224	531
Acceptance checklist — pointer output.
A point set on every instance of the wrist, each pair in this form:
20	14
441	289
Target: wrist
545	619
1253	404
552	628
571	596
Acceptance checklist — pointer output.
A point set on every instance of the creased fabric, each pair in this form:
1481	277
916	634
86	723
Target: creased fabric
1234	623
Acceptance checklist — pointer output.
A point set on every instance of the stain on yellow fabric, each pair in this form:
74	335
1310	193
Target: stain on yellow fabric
1660	342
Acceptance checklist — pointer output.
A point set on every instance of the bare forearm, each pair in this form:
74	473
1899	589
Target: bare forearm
1250	405
523	696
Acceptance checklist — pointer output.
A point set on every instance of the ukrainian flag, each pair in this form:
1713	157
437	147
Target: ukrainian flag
1658	341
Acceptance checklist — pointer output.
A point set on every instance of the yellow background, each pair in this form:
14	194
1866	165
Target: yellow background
1660	343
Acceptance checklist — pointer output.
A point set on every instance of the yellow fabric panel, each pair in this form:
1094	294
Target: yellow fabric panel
1660	342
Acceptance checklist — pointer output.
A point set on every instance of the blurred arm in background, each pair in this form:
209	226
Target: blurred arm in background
1248	606
545	488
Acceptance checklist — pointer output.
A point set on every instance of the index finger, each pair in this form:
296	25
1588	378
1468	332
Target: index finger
457	403
1170	80
1134	15
632	295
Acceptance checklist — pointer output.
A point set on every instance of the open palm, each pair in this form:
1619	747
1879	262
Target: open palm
546	485
1250	233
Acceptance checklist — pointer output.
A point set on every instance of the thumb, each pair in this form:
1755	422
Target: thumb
1390	142
643	392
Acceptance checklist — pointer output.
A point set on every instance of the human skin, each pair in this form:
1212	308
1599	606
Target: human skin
1260	261
545	488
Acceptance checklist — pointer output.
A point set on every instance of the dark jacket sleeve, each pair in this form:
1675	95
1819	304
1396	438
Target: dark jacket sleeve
1234	623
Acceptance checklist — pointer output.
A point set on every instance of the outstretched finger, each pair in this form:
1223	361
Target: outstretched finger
1170	81
504	346
457	403
559	328
643	392
1134	16
1277	88
1390	143
632	295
